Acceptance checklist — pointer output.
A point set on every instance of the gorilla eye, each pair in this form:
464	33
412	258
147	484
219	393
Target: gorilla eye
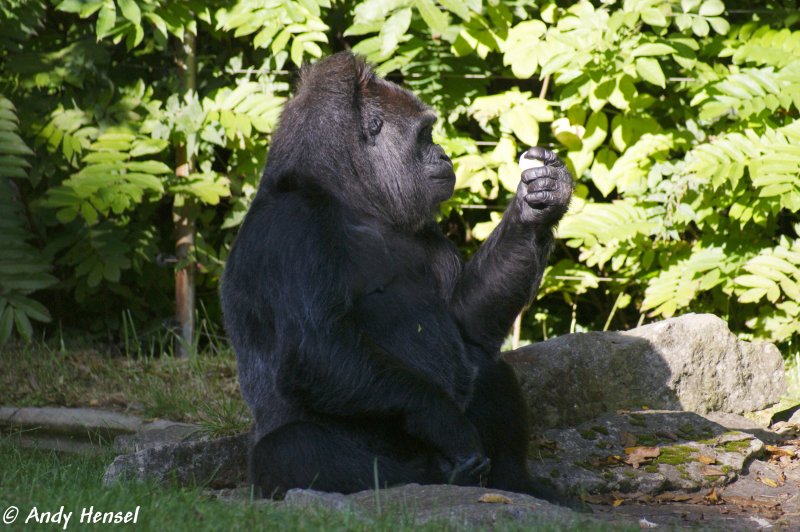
375	125
426	135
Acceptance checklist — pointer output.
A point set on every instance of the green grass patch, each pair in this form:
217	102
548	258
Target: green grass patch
48	481
203	389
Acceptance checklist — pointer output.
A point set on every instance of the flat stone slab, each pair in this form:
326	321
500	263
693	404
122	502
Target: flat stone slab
217	463
83	430
72	421
458	506
156	433
646	452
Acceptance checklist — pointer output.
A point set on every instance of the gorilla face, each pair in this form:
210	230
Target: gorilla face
363	140
412	172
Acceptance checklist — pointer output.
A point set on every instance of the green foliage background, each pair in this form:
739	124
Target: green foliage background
679	119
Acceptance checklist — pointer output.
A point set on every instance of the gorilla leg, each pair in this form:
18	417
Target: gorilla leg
498	411
309	455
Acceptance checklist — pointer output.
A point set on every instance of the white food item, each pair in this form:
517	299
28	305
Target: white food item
525	164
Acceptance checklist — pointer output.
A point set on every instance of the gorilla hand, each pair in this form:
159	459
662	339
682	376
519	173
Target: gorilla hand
544	191
466	470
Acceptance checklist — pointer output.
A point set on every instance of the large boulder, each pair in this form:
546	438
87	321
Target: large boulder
692	363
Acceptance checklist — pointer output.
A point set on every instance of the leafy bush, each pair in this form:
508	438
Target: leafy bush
678	118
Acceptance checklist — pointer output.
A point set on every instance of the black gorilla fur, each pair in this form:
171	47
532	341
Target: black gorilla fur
365	345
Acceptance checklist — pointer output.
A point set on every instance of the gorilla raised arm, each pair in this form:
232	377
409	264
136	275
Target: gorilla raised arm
365	346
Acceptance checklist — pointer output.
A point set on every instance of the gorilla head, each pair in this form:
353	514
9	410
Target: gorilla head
361	139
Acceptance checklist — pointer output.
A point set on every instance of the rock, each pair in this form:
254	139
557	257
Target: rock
337	502
693	453
691	363
459	506
217	463
82	430
78	422
156	433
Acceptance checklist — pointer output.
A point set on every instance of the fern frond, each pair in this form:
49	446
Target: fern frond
601	230
23	268
677	286
766	46
773	275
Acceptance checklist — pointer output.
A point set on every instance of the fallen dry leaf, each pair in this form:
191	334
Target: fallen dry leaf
772	483
495	498
711	471
617	502
708	460
777	452
713	497
638	455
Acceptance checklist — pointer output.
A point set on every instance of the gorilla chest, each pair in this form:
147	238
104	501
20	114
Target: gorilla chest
408	320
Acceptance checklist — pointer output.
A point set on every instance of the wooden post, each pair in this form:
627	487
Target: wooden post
182	215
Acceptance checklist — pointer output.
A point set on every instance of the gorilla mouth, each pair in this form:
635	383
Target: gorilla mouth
444	174
444	169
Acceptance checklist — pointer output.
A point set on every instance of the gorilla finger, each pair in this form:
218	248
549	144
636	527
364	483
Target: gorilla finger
535	173
543	183
546	156
541	198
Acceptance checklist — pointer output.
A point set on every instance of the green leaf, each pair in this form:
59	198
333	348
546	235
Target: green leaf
683	21
653	49
457	7
700	26
433	17
524	126
147	147
149	167
601	171
654	17
650	70
6	324
596	131
106	19
33	309
712	8
689	5
720	25
24	327
130	10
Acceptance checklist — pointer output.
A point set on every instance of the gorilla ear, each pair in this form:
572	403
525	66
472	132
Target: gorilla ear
364	74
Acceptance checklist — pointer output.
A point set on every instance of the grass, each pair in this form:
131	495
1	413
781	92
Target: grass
49	480
202	390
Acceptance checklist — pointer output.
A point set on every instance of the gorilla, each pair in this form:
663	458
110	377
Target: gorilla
368	350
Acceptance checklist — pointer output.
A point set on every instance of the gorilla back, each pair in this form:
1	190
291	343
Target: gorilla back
365	345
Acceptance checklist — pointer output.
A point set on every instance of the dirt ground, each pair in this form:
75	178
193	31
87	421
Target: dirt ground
766	496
